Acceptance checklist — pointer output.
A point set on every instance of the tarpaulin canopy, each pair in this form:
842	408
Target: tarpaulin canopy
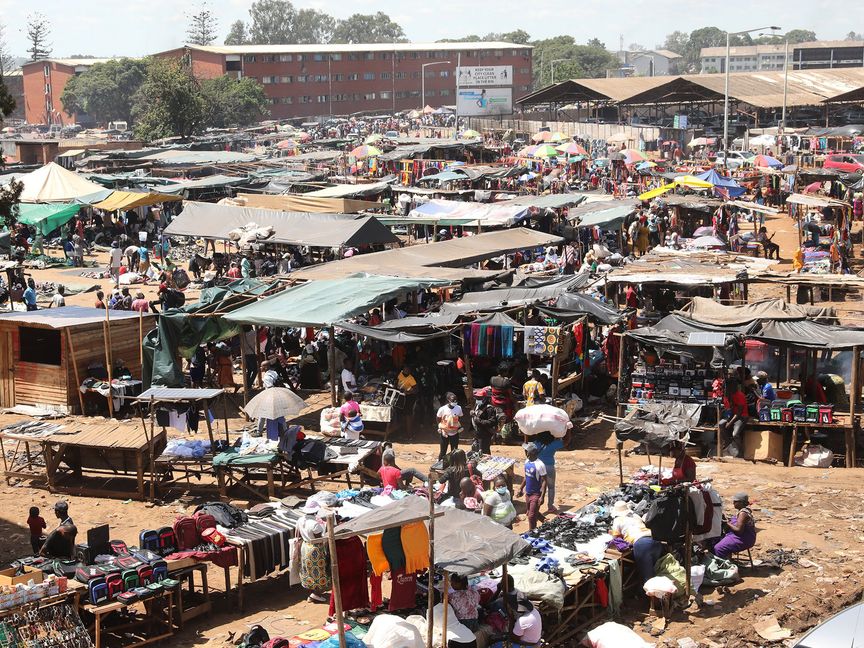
709	311
659	425
503	298
322	303
809	335
550	201
672	334
208	182
122	200
296	228
605	215
306	203
392	335
427	260
52	183
728	185
46	218
814	201
180	157
350	190
573	305
485	214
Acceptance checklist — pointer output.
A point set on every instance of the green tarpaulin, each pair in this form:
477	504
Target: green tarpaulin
178	335
46	218
322	303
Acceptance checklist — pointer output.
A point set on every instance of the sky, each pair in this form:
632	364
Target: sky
136	27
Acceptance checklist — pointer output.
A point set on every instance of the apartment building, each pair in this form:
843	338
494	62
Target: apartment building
44	82
749	58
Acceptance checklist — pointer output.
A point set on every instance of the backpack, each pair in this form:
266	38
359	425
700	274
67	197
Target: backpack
186	533
85	574
277	642
127	562
149	539
66	568
203	521
226	515
213	536
160	570
146	556
130	579
118	547
310	453
145	575
255	638
167	541
114	582
97	590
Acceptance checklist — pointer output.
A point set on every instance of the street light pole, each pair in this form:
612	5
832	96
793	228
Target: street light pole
726	82
423	80
785	85
552	67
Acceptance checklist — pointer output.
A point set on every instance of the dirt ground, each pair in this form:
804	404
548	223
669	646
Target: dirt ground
815	513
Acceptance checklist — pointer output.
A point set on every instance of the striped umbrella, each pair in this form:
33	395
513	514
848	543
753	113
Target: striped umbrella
631	156
527	151
572	148
546	151
374	137
286	144
365	151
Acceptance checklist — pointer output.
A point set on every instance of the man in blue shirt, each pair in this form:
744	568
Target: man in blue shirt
765	388
29	296
534	486
548	446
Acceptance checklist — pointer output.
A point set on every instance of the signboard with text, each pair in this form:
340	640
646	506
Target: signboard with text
485	75
484	102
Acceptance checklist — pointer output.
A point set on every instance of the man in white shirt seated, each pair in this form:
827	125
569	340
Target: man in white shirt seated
349	382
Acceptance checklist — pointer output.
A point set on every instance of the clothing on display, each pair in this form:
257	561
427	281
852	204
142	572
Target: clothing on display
350	556
403	590
542	341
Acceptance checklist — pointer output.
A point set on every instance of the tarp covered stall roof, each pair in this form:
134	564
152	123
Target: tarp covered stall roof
756	207
46	217
208	182
551	201
305	203
672	335
571	305
391	334
122	200
58	318
433	259
322	303
295	228
52	183
659	425
472	213
605	215
179	157
708	311
503	298
814	201
809	335
350	190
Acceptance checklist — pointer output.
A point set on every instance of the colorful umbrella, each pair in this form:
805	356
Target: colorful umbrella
558	136
470	134
572	148
528	151
692	182
365	151
546	151
631	156
767	161
543	136
304	137
813	187
286	144
644	166
374	137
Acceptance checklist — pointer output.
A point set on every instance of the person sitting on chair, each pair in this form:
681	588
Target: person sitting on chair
742	529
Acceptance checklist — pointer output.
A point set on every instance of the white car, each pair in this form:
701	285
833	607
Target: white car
733	159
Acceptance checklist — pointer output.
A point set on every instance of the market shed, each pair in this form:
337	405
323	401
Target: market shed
45	354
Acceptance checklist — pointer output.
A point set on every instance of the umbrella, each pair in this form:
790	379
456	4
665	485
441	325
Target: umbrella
428	110
470	134
543	136
365	151
767	161
703	231
528	151
304	137
692	182
632	155
557	136
273	403
546	150
286	144
375	137
701	141
644	166
572	148
707	242
813	187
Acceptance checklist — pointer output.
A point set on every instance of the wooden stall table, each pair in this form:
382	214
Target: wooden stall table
179	472
195	600
108	451
157	621
378	414
581	610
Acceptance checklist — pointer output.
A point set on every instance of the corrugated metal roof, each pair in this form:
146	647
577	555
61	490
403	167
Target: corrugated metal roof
179	394
66	316
356	47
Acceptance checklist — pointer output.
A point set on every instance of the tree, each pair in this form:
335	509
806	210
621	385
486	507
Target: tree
7	62
232	102
518	36
169	102
596	42
636	47
202	26
272	22
38	30
237	34
571	60
313	26
368	28
676	42
852	35
105	91
10	193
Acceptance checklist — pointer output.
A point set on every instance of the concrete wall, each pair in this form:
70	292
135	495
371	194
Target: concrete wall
583	129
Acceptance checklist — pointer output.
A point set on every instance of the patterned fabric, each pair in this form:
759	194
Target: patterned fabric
314	567
542	340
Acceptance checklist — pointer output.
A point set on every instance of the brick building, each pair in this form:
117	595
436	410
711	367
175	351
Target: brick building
318	80
44	82
14	82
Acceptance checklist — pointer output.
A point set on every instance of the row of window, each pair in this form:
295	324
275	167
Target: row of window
371	56
367	76
356	96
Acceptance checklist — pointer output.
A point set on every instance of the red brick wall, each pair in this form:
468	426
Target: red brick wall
38	98
205	65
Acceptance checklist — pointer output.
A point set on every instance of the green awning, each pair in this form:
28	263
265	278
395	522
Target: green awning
46	217
322	303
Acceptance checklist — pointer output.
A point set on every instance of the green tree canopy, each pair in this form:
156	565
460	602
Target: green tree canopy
237	34
232	102
105	91
169	102
272	22
571	60
368	28
10	193
312	26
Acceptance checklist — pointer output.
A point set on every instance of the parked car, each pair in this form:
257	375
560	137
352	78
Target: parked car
733	159
845	162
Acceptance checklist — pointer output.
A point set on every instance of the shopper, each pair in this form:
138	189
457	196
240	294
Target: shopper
534	486
449	425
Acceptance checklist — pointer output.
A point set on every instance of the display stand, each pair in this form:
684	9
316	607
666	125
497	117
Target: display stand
155	623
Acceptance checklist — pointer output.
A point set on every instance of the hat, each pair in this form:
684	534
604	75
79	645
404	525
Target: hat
620	508
762	374
530	447
115	244
311	507
741	497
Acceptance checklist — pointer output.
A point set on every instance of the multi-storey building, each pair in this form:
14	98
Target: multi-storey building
44	82
747	58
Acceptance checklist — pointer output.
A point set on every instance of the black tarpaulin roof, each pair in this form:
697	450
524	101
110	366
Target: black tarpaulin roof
659	424
809	335
571	305
672	335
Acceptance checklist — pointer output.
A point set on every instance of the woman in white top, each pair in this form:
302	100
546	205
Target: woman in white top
498	505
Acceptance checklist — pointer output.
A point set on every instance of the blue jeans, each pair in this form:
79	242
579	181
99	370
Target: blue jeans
646	552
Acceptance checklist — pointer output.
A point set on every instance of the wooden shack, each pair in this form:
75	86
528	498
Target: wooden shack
45	354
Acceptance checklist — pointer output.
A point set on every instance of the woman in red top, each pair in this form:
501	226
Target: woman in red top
734	416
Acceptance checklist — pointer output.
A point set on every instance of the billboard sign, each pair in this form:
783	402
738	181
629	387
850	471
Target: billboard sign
484	102
487	75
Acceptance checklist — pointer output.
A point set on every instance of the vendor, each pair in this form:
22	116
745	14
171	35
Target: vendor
527	625
502	391
684	470
766	389
314	558
465	601
449	483
484	418
60	543
742	529
646	550
449	425
735	415
497	503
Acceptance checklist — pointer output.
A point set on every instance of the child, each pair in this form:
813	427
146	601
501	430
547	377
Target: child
464	600
534	486
352	426
37	526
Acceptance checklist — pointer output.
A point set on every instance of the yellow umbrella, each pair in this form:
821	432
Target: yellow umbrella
653	193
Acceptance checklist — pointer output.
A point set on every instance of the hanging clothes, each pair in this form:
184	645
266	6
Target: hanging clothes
391	543
542	340
375	551
352	580
415	546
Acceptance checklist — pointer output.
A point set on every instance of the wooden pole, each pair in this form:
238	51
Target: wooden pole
430	603
620	447
107	335
331	358
446	605
225	415
688	539
469	377
246	389
141	338
337	588
152	444
854	394
257	360
620	405
505	589
75	368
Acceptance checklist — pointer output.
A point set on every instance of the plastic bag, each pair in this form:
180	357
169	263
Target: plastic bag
543	418
350	640
660	586
814	456
697	577
615	635
330	424
719	571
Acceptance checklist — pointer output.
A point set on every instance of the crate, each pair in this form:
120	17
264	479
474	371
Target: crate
763	444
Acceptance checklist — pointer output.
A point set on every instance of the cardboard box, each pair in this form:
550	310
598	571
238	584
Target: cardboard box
8	577
763	444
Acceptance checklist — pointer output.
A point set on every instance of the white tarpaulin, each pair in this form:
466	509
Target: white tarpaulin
484	214
53	183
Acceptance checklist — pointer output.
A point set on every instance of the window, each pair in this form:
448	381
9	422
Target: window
524	70
415	75
445	92
301	57
285	58
287	100
320	78
385	95
249	58
353	57
47	88
415	55
335	57
305	99
444	74
267	58
368	76
286	79
369	56
431	93
499	53
384	56
385	76
338	77
322	98
232	66
318	57
301	78
369	96
353	77
429	74
267	80
47	70
400	75
41	346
